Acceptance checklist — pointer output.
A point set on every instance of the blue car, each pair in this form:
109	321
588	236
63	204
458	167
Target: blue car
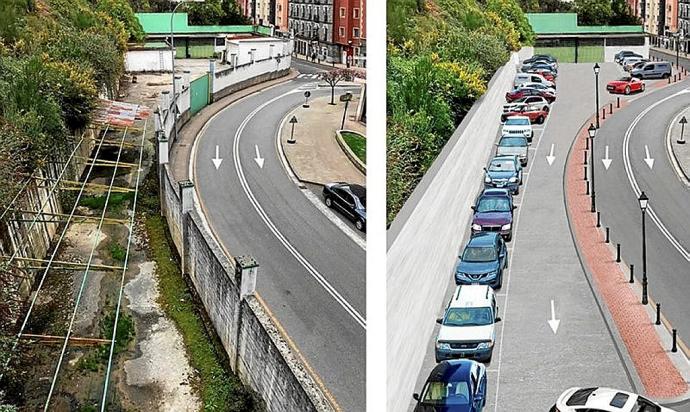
504	172
454	386
482	261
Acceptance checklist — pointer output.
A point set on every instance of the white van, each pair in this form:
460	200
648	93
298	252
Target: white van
467	327
522	78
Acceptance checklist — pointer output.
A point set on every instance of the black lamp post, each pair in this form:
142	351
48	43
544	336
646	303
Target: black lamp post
596	89
644	200
592	133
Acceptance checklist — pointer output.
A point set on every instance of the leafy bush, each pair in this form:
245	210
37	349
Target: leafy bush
120	10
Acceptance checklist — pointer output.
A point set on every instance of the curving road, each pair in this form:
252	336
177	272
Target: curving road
312	274
643	127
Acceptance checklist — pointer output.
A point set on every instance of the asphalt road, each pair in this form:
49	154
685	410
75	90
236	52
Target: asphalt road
323	317
668	240
531	365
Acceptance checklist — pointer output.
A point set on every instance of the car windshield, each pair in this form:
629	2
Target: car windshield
511	121
468	317
624	79
502	166
479	254
493	204
362	201
513	142
446	393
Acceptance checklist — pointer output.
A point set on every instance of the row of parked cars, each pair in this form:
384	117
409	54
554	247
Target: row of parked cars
640	68
468	324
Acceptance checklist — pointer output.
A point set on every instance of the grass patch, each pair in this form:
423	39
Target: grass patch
218	387
357	143
566	54
117	252
116	202
96	360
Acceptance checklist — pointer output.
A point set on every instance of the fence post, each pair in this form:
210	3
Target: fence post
186	206
246	269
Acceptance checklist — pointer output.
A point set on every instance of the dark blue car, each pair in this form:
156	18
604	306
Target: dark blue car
482	261
454	386
504	172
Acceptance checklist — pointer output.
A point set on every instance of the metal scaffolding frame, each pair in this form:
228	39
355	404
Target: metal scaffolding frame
114	115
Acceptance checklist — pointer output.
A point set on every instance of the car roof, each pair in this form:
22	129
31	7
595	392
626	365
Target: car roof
472	296
504	158
518	117
357	190
496	192
483	239
451	370
601	398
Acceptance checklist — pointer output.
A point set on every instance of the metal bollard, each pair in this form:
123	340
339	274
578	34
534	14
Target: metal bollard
669	79
618	102
603	113
632	274
610	108
585	157
607	235
598	219
586	173
658	314
674	348
618	253
674	78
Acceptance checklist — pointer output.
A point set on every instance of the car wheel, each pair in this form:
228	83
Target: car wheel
509	237
545	108
627	90
359	225
540	119
642	87
488	358
329	202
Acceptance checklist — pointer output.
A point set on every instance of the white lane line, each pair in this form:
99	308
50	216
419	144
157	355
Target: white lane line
633	182
272	227
669	151
338	222
510	271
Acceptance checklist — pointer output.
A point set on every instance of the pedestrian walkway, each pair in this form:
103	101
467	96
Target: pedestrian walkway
313	76
316	156
325	64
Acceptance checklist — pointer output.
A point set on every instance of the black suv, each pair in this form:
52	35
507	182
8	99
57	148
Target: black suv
350	199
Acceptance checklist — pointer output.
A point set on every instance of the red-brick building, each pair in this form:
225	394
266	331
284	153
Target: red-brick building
349	30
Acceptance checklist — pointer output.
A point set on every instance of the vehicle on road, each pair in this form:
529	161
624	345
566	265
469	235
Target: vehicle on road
604	400
524	91
653	70
493	212
517	125
504	172
514	145
350	200
537	115
629	61
521	78
482	261
467	326
454	386
532	102
625	85
618	57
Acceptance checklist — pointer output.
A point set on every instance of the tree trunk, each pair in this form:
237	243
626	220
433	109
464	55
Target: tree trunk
333	94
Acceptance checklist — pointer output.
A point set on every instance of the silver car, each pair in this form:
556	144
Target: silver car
514	145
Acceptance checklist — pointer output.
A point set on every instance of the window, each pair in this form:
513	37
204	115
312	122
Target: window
341	31
355	32
355	13
342	12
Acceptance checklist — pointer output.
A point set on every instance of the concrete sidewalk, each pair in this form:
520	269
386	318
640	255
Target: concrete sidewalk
181	150
317	157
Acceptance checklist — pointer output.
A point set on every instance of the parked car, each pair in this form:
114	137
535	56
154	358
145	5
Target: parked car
541	57
504	172
518	126
537	115
629	61
482	261
604	400
521	78
493	212
531	102
349	199
638	64
467	326
618	57
625	85
538	86
453	386
514	145
539	63
521	92
548	74
653	70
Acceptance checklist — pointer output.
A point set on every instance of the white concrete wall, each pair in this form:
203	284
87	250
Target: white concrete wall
154	60
610	51
263	49
421	259
241	73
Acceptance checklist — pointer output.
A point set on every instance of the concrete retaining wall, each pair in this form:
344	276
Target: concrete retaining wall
233	79
148	60
428	233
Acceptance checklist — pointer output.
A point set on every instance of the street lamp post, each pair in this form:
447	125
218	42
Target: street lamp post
592	131
644	200
596	90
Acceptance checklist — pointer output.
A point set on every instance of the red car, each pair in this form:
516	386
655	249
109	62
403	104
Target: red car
625	85
535	115
524	92
548	75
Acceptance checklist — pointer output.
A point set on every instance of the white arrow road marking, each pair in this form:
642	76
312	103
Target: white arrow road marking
217	161
550	158
258	159
553	322
607	160
648	159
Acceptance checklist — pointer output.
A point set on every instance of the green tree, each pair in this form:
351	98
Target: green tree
121	11
593	12
622	15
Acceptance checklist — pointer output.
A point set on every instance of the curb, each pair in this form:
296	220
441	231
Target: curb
625	356
348	151
680	171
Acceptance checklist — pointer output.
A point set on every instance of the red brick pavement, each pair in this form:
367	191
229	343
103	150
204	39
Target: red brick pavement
659	375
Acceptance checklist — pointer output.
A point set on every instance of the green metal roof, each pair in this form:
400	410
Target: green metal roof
159	23
566	23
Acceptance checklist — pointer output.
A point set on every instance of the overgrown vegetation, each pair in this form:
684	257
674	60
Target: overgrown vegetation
208	12
441	54
218	387
97	359
589	12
